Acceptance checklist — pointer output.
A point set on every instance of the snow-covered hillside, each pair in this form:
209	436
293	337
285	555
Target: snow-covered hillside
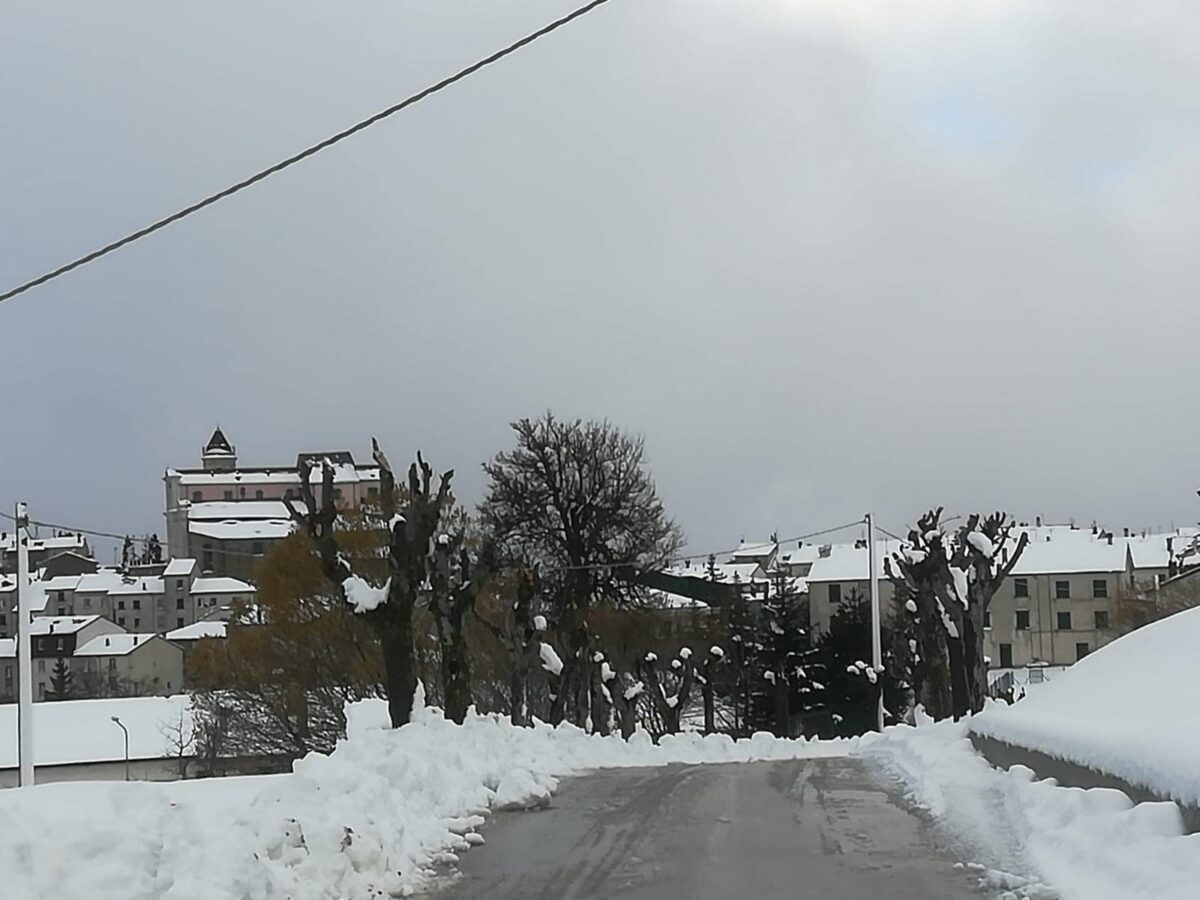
1128	710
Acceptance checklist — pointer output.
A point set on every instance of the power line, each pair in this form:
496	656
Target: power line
679	559
304	154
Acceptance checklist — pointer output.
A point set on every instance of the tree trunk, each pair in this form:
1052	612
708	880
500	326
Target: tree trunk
780	691
960	690
710	705
456	667
399	660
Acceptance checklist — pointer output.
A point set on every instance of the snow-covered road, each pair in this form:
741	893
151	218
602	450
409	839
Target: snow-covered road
829	828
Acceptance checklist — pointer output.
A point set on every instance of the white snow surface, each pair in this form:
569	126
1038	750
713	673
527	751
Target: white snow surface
363	596
1127	710
1035	840
982	543
550	659
369	820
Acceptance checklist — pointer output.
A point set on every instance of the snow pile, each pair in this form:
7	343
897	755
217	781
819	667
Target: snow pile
370	820
1127	710
1033	839
364	596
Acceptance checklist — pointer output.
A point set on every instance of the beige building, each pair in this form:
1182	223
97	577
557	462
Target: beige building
1058	604
227	516
128	665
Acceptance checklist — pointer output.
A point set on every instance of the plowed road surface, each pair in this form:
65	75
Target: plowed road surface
827	829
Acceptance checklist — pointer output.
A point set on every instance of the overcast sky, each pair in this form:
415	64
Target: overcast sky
827	256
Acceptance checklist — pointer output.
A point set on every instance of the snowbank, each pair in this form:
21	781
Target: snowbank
369	820
1027	835
1127	710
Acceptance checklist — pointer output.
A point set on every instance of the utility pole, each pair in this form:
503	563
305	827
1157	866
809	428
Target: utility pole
24	650
876	621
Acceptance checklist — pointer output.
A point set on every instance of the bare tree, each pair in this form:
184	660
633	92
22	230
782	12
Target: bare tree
408	553
180	736
576	498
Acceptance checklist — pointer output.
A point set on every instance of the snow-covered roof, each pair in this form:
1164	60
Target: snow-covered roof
179	568
197	631
748	551
221	585
100	582
8	541
60	624
219	510
848	562
235	530
143	584
113	644
80	731
342	474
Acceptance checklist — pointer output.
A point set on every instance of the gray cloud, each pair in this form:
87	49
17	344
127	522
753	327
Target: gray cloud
826	257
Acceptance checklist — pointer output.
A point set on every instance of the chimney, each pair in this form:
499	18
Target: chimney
824	550
860	544
1038	521
107	642
1126	532
1110	539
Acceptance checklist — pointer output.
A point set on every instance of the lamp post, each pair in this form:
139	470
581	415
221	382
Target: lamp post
126	730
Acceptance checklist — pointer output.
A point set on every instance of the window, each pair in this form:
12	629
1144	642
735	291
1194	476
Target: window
337	493
1100	588
1022	620
1062	590
87	602
1101	619
62	610
41	691
179	622
179	584
987	619
112	662
137	623
121	621
60	644
258	495
1020	587
1006	656
62	596
1064	621
1081	650
8	673
137	604
372	492
229	495
197	496
835	594
179	603
207	559
120	604
41	665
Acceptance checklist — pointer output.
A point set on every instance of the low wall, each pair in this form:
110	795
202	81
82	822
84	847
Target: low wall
1004	755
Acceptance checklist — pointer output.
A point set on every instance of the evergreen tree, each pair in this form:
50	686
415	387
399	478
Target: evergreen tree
851	685
61	686
784	659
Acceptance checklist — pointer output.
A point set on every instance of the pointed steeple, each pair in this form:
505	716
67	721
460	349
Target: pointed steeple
218	453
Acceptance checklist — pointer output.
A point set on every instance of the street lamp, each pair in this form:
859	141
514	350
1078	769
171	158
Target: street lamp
126	730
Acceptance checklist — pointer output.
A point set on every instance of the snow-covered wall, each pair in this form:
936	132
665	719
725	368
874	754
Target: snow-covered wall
1129	710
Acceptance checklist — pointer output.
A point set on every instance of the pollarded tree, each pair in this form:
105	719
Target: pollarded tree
669	689
576	499
951	579
410	529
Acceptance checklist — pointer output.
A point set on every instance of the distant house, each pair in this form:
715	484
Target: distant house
174	598
189	636
141	664
103	659
40	549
